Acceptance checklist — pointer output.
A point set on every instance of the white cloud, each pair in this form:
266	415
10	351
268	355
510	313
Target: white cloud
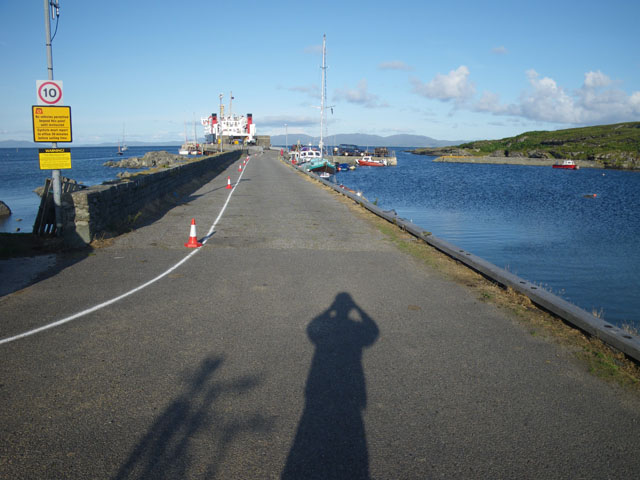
291	121
359	95
596	101
394	65
596	79
453	86
490	102
546	101
311	90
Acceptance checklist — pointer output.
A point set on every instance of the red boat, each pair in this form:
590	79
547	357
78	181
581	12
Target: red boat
369	162
567	165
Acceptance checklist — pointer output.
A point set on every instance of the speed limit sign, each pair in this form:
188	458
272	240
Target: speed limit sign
49	92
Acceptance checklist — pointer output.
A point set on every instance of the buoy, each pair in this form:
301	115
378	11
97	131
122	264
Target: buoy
229	187
193	240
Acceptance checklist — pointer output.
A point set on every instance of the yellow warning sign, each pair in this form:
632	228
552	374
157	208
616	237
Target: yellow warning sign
51	124
54	158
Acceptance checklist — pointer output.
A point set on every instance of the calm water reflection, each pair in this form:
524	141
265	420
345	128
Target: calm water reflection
535	221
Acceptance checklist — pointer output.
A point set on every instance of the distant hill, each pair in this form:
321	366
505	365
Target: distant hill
365	140
613	146
360	139
18	144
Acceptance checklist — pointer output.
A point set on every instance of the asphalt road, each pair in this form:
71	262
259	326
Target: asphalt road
297	343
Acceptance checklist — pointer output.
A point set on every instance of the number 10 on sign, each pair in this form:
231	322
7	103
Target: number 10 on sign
49	92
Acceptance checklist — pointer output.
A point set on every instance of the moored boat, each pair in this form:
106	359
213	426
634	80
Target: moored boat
318	163
567	165
190	149
308	155
367	161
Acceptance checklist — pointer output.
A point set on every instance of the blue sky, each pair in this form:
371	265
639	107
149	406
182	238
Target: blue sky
455	70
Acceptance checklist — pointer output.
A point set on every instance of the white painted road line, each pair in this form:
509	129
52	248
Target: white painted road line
130	292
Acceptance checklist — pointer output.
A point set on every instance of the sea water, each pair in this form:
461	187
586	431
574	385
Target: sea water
20	175
575	233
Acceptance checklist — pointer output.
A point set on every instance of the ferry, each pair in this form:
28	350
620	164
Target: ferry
238	129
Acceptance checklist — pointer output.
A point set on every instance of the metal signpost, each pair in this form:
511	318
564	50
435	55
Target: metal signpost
52	122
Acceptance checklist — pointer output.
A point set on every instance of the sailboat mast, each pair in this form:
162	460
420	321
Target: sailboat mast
195	135
324	92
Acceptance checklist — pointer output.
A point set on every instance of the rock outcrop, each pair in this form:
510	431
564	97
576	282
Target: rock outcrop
150	159
5	211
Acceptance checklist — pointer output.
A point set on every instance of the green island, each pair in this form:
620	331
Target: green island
605	146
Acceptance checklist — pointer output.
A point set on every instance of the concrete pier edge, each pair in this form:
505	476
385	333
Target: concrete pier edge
570	313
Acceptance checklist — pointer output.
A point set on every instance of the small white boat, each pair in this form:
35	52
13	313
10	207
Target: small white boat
309	156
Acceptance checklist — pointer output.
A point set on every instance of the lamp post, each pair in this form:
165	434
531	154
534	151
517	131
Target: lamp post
219	129
55	174
286	137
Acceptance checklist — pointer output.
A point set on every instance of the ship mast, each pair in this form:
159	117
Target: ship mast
324	92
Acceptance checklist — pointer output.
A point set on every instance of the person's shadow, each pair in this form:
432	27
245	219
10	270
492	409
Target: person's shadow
331	442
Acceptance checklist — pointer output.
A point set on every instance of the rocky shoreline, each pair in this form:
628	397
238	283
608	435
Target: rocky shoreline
161	159
156	159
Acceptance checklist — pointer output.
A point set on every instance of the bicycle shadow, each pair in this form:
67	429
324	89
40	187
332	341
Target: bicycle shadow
330	442
172	446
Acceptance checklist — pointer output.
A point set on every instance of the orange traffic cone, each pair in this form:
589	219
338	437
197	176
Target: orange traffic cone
240	167
193	240
229	187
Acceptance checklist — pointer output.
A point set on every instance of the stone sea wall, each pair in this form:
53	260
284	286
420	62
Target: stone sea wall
512	161
102	209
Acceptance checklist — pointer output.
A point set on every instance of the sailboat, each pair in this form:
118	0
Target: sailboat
189	148
124	145
320	165
195	150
